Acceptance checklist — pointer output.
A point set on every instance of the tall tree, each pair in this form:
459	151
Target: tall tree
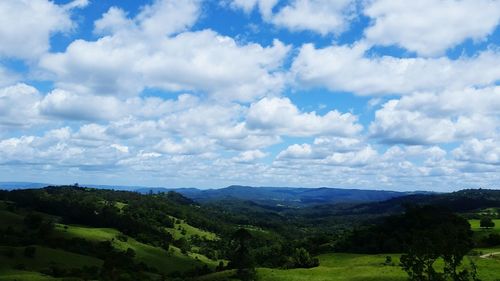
242	259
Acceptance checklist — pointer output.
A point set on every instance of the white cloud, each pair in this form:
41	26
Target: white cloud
265	6
68	106
121	148
165	17
439	117
249	156
19	106
486	151
186	146
321	16
297	151
113	21
135	56
162	17
347	68
331	151
26	26
7	77
281	116
395	124
430	27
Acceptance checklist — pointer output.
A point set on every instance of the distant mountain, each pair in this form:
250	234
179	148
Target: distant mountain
269	196
21	185
459	201
286	196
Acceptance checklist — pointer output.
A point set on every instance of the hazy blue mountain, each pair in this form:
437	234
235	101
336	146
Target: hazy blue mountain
21	185
289	196
271	196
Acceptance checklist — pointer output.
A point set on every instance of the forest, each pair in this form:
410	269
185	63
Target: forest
80	233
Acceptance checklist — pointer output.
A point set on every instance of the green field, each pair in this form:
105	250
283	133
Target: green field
353	267
43	259
166	262
12	274
475	226
181	226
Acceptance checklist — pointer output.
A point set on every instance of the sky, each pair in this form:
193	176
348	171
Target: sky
375	94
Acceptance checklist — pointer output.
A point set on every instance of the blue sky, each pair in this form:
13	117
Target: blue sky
376	94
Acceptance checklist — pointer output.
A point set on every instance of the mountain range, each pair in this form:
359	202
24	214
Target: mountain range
273	196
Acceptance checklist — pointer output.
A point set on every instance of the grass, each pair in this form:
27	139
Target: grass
339	266
354	267
475	226
165	262
10	219
190	231
20	275
44	258
480	233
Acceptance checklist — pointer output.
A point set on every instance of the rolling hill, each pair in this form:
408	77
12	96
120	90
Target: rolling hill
284	196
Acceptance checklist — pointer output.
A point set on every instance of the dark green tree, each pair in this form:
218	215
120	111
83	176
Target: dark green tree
242	259
486	222
436	233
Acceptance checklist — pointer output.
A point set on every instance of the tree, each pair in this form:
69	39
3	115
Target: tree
241	258
486	222
302	259
436	233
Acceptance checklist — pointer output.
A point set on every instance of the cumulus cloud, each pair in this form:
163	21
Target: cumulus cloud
280	115
485	151
394	123
186	146
135	56
249	156
321	16
430	27
348	68
19	106
331	151
153	97
36	20
68	106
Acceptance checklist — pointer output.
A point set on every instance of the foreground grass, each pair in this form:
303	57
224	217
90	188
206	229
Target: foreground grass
340	266
354	267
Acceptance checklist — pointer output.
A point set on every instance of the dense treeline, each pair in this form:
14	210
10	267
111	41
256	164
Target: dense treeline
142	217
395	233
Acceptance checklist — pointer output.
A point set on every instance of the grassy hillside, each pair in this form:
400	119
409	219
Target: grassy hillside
165	261
15	265
19	267
21	275
44	257
182	229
